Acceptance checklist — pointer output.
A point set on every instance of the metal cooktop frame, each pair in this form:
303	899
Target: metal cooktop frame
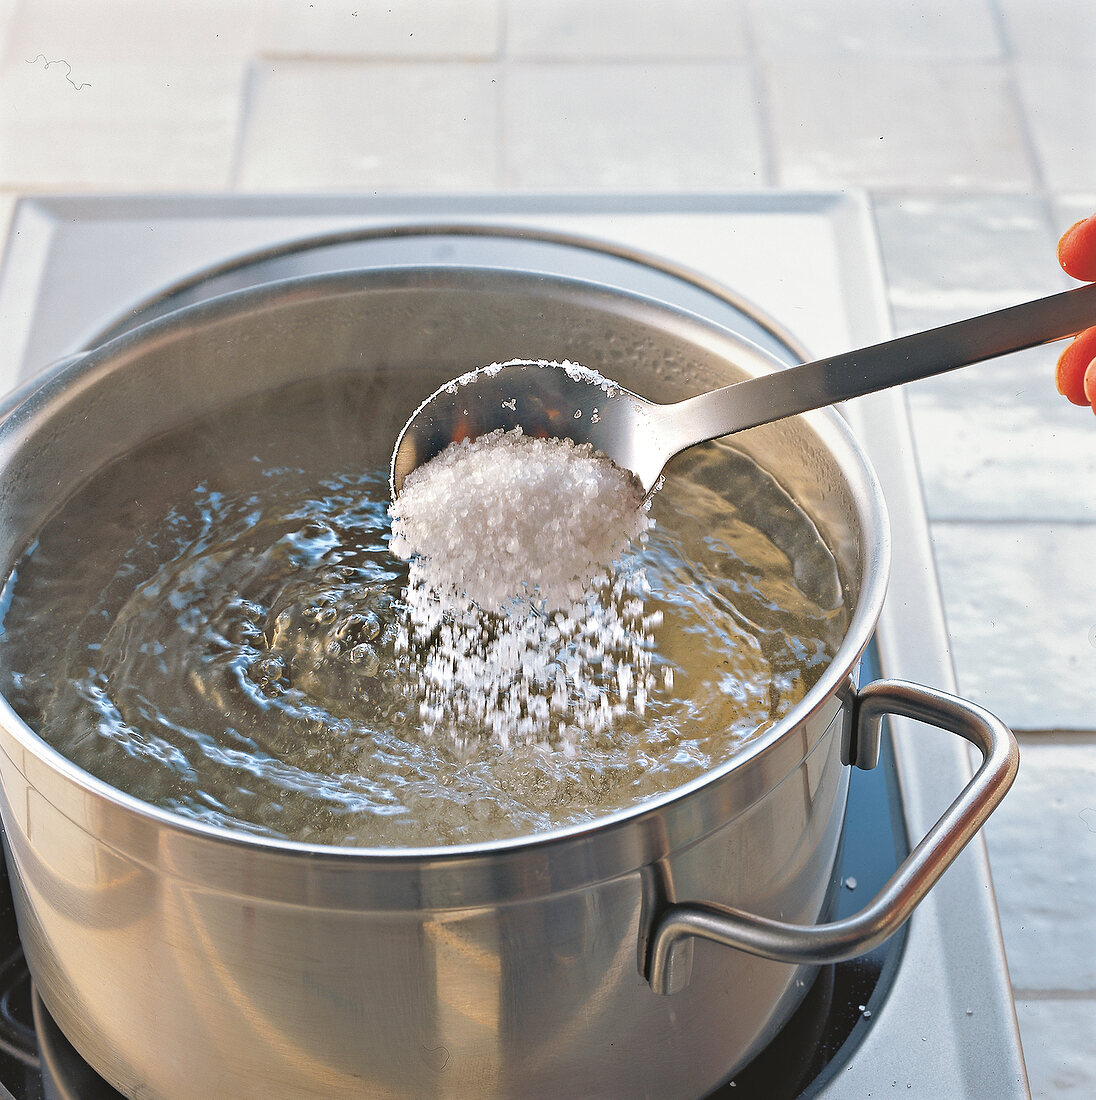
77	266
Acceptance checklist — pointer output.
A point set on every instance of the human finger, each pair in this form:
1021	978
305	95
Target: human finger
1076	373
1077	250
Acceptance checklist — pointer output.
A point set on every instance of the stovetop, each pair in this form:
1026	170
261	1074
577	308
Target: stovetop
928	1014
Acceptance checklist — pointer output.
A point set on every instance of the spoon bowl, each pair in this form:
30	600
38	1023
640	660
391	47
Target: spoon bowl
567	401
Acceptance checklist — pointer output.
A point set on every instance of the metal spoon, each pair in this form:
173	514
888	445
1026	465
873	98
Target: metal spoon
548	399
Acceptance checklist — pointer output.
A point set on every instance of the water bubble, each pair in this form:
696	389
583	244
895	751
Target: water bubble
365	657
272	667
267	673
322	614
371	627
357	626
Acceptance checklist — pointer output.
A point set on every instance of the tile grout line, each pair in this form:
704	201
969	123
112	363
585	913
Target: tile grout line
1083	995
1012	83
759	83
1060	738
243	107
1013	521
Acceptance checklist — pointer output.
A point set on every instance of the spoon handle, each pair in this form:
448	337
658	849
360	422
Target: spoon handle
880	366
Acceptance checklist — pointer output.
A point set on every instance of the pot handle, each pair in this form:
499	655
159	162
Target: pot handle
668	956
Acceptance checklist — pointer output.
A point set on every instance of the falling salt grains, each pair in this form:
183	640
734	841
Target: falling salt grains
518	620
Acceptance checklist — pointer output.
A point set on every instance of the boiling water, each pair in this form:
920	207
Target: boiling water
212	624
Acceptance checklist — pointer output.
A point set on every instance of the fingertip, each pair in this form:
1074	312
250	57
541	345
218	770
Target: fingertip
1075	373
1090	384
1077	250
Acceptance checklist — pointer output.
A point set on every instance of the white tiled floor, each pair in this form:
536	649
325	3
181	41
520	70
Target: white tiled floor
678	30
923	31
971	122
1055	923
1051	1028
1058	97
924	125
72	137
445	135
1052	32
993	445
992	574
616	126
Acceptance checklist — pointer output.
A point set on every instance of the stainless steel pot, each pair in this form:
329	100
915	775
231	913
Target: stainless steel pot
185	961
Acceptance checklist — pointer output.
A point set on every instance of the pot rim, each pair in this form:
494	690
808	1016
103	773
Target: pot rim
832	428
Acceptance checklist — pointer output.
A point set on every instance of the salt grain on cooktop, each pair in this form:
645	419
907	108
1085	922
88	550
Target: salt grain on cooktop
515	617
